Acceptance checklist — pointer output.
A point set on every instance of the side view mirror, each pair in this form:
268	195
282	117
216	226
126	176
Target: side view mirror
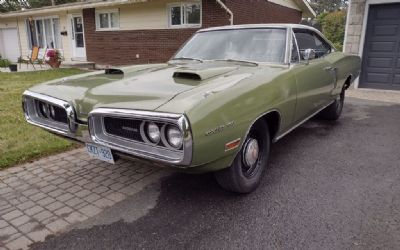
309	54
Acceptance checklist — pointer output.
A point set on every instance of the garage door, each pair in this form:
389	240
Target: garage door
10	44
381	58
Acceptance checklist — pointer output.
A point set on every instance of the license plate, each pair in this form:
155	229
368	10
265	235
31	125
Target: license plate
99	152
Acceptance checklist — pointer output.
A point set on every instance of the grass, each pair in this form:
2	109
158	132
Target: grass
19	141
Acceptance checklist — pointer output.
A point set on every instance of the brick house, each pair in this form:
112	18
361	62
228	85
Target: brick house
373	32
117	32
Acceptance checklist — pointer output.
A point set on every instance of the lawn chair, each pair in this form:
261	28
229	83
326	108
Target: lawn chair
37	56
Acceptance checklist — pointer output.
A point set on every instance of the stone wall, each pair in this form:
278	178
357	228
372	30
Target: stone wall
354	26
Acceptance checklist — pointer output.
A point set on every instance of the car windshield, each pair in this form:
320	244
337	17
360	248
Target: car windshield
254	45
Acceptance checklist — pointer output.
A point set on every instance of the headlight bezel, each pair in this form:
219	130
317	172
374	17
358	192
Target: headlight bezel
161	152
30	105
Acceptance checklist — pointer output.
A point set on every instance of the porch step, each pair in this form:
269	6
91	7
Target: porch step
78	64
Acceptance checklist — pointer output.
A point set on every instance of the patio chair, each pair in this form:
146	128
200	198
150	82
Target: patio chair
37	56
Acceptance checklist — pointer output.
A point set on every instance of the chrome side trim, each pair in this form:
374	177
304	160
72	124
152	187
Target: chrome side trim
288	46
301	122
165	155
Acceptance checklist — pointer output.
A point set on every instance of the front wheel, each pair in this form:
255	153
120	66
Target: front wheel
244	175
333	111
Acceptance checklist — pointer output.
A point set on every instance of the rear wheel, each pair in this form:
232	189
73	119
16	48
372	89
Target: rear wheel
333	111
244	175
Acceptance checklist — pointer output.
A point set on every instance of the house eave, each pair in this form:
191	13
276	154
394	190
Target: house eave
69	7
306	8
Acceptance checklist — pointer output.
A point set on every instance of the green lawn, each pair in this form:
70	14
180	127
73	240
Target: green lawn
20	142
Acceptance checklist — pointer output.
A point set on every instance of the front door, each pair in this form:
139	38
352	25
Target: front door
78	37
315	78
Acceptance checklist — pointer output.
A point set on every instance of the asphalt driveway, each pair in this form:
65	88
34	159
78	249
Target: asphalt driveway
328	186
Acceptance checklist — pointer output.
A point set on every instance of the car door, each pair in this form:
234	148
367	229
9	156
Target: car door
315	78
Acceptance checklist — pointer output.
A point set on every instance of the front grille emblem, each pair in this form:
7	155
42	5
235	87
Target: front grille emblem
130	129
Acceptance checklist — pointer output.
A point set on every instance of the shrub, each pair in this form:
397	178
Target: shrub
333	27
4	63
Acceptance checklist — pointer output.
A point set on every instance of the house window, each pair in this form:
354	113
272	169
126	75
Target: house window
184	15
44	32
107	20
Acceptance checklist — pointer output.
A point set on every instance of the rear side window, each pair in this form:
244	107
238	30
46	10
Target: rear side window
307	39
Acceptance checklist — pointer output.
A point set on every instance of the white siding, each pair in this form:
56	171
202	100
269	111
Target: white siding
139	16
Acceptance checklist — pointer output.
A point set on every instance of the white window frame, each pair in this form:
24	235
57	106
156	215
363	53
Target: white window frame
184	25
108	12
42	18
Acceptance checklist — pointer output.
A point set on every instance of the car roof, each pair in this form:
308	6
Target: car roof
268	25
259	26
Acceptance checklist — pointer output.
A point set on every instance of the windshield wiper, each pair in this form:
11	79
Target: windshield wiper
237	61
186	58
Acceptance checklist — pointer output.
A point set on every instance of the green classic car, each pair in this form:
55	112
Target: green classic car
216	106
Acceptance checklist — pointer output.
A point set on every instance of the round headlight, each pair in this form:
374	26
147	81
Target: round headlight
43	109
153	132
52	112
174	137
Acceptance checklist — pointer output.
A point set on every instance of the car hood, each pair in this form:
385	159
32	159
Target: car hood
142	87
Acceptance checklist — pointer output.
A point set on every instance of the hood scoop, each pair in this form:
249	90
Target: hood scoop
187	75
201	74
113	72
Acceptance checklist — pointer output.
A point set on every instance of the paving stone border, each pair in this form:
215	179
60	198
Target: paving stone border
47	196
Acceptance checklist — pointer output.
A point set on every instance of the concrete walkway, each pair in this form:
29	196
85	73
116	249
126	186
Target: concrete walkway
390	96
49	195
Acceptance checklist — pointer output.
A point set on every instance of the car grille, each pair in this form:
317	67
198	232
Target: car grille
125	128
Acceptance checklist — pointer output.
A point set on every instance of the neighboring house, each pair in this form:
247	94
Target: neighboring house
118	32
373	32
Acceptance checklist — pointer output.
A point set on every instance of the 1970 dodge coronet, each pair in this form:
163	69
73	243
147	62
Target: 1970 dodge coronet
217	105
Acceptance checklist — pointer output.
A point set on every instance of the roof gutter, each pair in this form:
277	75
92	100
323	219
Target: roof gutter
69	6
227	10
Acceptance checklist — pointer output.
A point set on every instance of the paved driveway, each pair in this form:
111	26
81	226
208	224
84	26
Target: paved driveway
329	186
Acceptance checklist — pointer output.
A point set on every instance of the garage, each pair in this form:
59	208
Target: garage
9	44
381	51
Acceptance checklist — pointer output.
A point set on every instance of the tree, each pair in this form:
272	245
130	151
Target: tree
321	6
333	26
13	5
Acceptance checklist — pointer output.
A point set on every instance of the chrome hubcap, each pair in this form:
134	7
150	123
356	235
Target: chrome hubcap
251	152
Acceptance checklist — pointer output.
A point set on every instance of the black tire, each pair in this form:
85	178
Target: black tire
239	177
333	111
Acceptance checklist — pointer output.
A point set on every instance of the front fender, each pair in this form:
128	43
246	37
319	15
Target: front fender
346	66
227	116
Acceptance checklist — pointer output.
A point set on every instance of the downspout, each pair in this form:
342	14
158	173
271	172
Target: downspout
227	10
19	39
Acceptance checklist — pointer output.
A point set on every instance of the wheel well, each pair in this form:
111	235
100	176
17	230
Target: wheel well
273	120
347	82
